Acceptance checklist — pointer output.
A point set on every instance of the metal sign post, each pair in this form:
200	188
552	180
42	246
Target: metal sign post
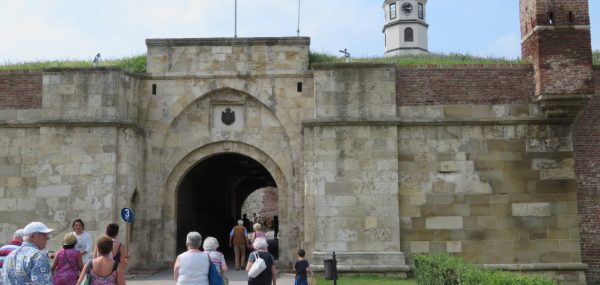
334	269
330	269
128	216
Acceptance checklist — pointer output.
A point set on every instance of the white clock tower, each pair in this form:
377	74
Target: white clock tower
405	28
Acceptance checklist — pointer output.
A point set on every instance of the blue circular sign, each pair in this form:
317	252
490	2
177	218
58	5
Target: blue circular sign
127	215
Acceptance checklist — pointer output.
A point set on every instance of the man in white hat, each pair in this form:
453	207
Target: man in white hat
28	264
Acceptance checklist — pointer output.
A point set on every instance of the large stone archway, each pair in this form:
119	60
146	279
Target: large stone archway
287	237
210	196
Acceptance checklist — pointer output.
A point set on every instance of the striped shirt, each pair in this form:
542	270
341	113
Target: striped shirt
217	259
7	248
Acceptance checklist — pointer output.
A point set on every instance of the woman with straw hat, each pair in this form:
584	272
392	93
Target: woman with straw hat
67	262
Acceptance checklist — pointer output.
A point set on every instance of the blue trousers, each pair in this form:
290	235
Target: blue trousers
300	281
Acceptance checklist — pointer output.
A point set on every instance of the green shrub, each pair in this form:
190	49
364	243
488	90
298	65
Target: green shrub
596	56
451	270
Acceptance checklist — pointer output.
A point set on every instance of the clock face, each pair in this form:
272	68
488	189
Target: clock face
406	8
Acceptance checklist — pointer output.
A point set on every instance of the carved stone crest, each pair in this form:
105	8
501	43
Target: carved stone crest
228	116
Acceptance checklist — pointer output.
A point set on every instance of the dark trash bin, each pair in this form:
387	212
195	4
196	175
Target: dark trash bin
330	269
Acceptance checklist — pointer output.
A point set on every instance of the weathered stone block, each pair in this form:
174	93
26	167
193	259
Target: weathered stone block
14	182
370	222
8	204
555	186
339	188
531	209
440	199
444	187
54	191
502	187
457	112
454	246
448	166
474	187
480	209
417	199
506	145
479	235
452	222
419	247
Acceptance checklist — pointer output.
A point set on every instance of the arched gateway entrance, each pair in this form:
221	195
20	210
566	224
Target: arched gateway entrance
206	189
210	196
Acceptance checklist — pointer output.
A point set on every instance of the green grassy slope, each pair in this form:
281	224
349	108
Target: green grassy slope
137	63
431	58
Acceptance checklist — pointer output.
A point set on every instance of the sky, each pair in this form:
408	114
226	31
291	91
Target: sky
78	29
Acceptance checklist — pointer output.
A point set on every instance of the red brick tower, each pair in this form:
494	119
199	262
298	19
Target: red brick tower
556	40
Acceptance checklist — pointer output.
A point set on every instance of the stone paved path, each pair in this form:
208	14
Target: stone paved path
235	278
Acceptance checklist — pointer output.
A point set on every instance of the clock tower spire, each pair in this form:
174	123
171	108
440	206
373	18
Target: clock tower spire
405	28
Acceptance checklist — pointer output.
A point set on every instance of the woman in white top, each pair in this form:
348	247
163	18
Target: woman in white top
192	266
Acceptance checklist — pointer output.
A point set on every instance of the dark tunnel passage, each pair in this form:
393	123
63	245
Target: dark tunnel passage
211	195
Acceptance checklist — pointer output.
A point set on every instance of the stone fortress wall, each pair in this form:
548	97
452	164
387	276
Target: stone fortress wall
376	162
493	181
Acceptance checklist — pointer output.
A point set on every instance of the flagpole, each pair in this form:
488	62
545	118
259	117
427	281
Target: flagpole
298	31
235	21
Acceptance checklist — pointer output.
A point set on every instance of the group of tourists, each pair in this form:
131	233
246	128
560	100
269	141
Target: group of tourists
193	267
23	260
270	224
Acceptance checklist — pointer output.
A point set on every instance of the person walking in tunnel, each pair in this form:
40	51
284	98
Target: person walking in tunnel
192	266
238	238
210	246
275	224
269	274
247	222
258	233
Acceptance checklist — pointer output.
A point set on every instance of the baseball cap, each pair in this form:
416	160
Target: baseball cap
36	227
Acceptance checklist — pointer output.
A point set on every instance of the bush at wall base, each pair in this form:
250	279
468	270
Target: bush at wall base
451	270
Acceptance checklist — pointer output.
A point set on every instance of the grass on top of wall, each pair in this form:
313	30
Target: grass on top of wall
416	59
135	64
430	58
